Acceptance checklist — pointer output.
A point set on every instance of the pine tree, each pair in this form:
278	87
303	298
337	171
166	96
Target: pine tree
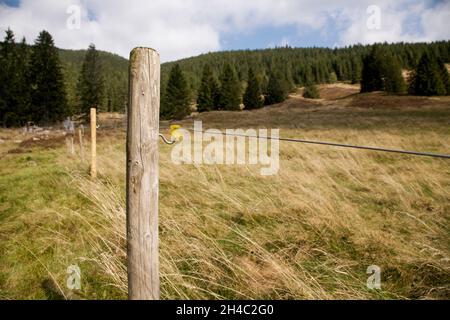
8	81
307	75
371	75
3	109
175	104
23	88
332	77
289	79
444	75
311	92
427	78
90	86
215	93
14	83
382	72
205	99
252	96
394	82
48	96
230	90
356	72
276	89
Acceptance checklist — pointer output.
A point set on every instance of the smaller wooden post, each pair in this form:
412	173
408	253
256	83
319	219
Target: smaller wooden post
69	143
80	138
93	142
72	147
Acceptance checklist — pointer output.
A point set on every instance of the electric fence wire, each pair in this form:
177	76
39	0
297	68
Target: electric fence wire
333	144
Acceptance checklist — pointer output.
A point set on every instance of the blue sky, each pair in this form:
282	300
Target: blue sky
12	3
271	36
182	28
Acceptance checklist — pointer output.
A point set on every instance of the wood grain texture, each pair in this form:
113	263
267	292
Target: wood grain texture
143	175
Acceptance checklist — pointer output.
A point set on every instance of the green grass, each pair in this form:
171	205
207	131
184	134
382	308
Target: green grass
226	232
35	192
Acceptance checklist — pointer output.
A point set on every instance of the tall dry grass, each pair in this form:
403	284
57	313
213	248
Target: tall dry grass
309	232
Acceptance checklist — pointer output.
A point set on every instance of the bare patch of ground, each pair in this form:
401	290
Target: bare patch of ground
337	90
379	100
49	142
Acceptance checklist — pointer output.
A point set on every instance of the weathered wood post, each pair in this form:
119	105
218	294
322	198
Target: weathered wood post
80	138
70	132
72	147
142	175
93	142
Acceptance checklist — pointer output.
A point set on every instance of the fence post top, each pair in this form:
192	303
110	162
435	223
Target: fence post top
137	49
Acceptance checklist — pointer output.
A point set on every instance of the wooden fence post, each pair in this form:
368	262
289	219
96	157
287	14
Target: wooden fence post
80	138
93	142
72	147
142	175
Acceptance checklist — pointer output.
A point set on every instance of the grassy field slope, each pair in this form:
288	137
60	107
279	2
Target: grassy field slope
309	232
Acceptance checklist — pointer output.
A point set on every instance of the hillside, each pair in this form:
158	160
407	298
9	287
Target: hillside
291	67
296	65
302	65
115	73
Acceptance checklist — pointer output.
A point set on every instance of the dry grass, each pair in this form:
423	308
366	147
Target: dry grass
309	232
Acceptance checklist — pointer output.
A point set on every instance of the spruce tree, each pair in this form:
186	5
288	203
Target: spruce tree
382	72
427	78
23	88
90	86
276	89
307	75
371	75
175	104
48	96
394	82
311	92
215	93
289	79
230	90
356	71
332	77
14	83
444	75
8	81
252	96
205	96
3	109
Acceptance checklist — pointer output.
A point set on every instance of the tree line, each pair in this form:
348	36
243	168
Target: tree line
382	71
228	80
302	65
35	86
31	81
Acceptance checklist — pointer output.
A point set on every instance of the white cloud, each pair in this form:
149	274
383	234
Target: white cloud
181	28
430	23
436	22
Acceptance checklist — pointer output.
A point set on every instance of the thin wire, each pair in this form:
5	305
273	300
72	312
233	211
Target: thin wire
341	145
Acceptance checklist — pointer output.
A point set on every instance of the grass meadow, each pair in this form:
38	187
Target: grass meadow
226	232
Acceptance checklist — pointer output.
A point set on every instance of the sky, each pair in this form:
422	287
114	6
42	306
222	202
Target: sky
184	28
